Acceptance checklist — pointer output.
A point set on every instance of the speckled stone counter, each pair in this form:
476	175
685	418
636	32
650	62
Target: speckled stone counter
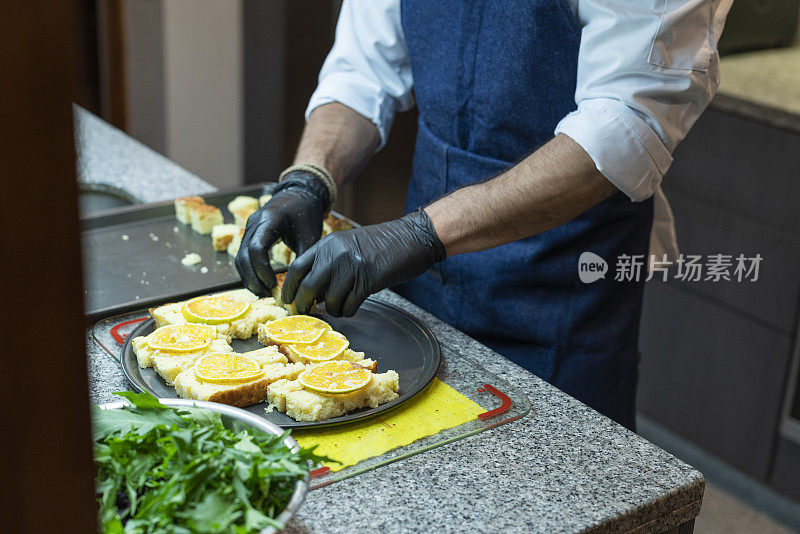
111	161
762	86
561	468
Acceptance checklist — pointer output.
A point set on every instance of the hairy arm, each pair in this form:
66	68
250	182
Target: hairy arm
338	139
553	185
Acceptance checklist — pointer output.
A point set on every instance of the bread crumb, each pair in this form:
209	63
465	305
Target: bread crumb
192	258
204	269
125	237
153	236
270	407
175	229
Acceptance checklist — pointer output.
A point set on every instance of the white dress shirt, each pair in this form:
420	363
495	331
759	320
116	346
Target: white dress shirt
646	70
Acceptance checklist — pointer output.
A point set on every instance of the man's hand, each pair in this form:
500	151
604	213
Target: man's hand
293	214
336	138
345	268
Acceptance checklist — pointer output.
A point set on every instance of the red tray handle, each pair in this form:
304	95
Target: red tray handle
120	338
319	471
504	407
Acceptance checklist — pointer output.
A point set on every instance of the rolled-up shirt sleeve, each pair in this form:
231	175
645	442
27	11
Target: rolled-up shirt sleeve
646	71
368	68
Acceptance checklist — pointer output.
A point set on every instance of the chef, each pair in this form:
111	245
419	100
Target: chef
545	128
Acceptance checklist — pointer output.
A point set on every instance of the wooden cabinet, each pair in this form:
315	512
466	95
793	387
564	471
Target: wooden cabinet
712	375
715	355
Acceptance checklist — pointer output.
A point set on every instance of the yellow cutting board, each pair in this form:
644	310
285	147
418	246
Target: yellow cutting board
437	408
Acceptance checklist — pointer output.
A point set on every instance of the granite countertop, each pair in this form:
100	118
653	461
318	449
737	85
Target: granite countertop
763	86
561	468
110	160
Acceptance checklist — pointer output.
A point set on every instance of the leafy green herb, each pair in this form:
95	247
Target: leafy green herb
180	471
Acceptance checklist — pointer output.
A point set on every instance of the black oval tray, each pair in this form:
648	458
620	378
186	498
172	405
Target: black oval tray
395	339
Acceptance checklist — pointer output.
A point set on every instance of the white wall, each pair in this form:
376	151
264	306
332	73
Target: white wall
203	90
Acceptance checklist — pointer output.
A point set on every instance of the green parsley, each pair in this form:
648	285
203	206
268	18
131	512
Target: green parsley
180	471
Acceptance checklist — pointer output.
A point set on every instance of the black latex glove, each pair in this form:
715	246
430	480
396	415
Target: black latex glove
293	214
344	268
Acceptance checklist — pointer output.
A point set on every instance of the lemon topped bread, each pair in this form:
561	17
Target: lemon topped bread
306	369
308	340
301	403
336	379
171	348
234	314
235	379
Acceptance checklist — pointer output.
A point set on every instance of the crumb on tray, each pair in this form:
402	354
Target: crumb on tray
192	258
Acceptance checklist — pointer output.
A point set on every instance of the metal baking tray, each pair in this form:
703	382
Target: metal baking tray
132	256
384	332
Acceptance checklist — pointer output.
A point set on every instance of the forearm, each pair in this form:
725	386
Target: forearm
338	139
553	185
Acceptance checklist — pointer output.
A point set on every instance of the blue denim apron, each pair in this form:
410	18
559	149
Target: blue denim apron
492	78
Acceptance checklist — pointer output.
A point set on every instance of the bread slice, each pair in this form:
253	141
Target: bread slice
169	365
336	224
204	217
168	314
242	202
149	357
278	390
281	253
276	294
188	386
145	354
240	216
347	355
236	242
267	356
305	405
182	205
222	235
261	311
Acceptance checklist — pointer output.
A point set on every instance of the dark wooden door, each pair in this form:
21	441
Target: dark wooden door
47	472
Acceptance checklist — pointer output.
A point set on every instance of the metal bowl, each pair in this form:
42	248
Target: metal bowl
231	416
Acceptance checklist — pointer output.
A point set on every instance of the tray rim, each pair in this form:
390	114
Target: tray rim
428	374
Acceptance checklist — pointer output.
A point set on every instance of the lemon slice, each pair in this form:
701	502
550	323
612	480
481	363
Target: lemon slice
227	368
329	345
335	377
294	329
214	309
181	337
